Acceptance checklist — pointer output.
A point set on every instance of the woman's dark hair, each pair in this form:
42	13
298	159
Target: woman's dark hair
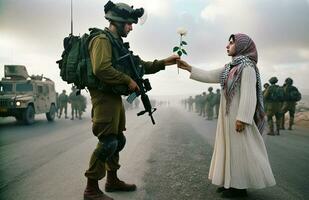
232	37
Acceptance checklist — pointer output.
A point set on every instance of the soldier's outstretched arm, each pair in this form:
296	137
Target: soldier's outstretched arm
157	65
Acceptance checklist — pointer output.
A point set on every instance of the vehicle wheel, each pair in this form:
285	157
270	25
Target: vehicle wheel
28	115
52	113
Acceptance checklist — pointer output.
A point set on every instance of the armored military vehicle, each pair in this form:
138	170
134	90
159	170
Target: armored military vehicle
22	96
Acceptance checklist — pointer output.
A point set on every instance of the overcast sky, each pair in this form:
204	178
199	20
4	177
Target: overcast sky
31	34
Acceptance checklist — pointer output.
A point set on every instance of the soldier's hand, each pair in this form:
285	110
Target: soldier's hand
133	86
184	65
171	60
240	126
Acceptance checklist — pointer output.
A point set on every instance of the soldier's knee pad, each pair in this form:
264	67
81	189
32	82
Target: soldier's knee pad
121	141
107	147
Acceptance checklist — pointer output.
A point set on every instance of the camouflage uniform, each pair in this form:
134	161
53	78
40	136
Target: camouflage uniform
108	110
217	106
63	104
266	85
203	104
273	107
190	103
288	105
210	99
73	99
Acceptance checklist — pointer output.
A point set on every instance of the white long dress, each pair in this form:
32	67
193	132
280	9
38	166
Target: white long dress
239	160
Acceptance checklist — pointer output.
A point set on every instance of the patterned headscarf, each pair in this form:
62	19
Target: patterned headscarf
246	56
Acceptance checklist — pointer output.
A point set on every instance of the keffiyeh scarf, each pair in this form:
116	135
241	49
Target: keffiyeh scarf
246	56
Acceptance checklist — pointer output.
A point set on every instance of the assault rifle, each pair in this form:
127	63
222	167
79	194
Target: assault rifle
144	86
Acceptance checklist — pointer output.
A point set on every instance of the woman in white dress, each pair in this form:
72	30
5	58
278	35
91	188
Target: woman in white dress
240	159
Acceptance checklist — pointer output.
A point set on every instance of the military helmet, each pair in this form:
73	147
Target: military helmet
273	80
63	91
218	90
289	81
210	89
121	12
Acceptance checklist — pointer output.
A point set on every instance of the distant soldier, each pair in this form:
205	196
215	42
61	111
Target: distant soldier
63	104
203	104
197	101
73	99
81	105
210	102
273	98
217	102
190	103
57	103
292	95
266	85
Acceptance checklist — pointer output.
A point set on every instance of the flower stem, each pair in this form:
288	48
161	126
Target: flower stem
180	47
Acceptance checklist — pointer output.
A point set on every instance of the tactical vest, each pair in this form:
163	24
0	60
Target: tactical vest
121	56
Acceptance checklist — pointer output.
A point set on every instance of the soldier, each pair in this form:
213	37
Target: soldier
203	104
57	104
63	103
197	101
190	103
108	110
73	99
292	95
217	105
273	105
266	85
210	99
81	105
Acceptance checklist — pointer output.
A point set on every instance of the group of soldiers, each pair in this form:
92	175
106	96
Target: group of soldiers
277	101
78	104
206	104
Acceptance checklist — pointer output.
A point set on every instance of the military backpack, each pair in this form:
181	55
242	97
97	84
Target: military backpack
293	94
76	68
275	93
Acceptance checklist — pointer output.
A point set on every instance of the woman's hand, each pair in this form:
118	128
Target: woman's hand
240	126
184	65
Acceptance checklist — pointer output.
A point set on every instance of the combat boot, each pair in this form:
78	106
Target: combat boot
93	192
113	184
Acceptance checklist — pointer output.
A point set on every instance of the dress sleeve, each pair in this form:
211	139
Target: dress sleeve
210	76
248	99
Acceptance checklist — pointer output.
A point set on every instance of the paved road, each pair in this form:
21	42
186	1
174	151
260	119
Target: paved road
170	160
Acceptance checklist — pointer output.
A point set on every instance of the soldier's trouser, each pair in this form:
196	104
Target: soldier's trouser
73	110
288	107
270	120
210	112
106	156
65	107
217	110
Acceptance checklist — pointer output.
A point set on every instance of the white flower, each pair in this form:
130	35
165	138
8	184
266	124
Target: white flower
182	31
